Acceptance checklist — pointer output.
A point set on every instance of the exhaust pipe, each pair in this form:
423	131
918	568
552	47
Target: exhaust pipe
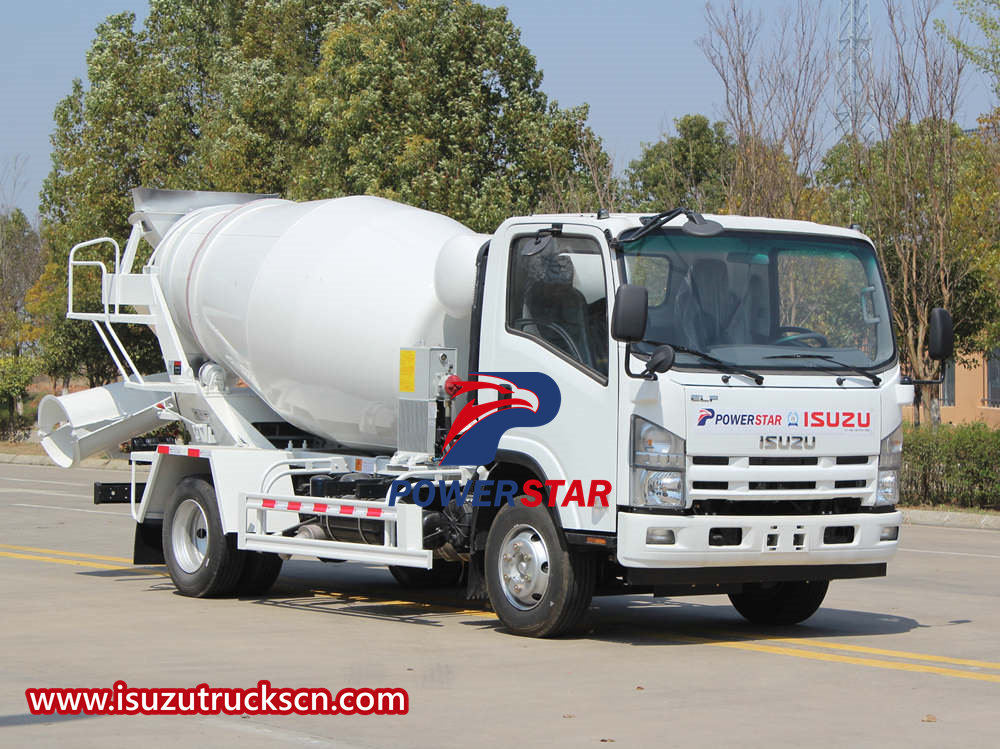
78	425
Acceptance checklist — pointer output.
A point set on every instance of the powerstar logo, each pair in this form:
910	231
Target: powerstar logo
526	399
709	416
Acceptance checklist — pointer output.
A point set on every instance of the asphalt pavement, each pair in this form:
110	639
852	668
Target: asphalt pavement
912	659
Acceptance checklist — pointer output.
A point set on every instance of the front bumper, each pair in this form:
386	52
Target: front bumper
764	540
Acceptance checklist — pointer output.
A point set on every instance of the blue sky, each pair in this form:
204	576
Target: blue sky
634	61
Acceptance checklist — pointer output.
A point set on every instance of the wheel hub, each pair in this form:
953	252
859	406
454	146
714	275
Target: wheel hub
189	536
524	567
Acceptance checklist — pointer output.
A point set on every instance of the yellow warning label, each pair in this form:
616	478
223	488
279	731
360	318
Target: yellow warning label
407	370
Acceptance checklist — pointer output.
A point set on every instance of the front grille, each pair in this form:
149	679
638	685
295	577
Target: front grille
774	486
710	460
792	461
781	484
838	506
719	486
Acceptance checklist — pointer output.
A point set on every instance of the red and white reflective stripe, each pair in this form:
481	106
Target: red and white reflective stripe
188	452
321	508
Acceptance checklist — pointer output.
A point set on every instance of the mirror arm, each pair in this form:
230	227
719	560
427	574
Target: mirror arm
646	375
907	380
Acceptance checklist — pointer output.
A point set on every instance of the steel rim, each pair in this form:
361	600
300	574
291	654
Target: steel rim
524	567
189	535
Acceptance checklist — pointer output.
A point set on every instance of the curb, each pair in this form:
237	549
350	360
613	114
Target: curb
115	464
946	519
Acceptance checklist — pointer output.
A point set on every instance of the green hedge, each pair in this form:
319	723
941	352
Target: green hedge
951	465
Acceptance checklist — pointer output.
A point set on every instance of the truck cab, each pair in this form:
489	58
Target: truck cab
749	413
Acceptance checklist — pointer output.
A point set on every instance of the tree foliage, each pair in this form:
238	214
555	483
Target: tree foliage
431	102
687	169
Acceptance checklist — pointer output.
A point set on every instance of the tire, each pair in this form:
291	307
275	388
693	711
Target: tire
443	575
547	591
203	562
260	570
780	603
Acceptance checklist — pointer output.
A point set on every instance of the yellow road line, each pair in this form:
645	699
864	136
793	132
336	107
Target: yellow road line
759	647
881	651
73	562
65	553
832	658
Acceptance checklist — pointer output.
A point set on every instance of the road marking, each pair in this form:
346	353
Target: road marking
73	562
952	553
46	492
65	553
833	658
40	481
882	651
798	651
70	509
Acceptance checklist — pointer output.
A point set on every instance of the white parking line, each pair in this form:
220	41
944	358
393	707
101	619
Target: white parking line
40	481
45	492
71	509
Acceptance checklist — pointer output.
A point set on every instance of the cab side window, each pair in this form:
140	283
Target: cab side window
557	295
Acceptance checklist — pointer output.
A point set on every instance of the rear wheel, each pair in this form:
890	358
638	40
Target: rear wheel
537	588
443	575
780	603
202	560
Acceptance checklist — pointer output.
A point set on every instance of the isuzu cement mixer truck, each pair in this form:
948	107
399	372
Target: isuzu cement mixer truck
575	405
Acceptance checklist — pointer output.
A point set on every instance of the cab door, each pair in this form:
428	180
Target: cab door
546	309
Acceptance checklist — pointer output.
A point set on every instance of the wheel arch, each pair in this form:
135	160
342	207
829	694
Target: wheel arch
512	465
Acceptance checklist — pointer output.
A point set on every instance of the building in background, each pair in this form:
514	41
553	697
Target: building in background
972	393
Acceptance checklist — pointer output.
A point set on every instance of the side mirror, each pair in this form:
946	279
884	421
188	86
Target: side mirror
661	360
628	321
942	335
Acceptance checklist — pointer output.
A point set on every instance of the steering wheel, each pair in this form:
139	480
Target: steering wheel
800	334
559	330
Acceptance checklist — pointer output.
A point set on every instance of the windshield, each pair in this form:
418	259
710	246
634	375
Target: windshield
763	300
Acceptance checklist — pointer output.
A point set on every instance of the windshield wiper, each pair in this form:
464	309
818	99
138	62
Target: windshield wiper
721	365
696	225
876	380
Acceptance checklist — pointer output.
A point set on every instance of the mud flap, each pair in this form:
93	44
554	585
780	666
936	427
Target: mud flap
148	547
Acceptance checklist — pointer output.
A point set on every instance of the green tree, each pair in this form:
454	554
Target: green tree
985	16
16	373
431	102
927	196
686	169
435	103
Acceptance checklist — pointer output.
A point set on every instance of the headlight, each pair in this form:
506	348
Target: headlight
654	447
890	455
887	492
658	466
890	459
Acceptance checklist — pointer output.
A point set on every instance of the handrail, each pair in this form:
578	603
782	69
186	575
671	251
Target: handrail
73	262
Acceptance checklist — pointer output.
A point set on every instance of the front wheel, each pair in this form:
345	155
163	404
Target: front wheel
780	603
202	561
537	588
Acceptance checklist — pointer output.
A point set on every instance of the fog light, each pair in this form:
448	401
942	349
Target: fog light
660	536
889	533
